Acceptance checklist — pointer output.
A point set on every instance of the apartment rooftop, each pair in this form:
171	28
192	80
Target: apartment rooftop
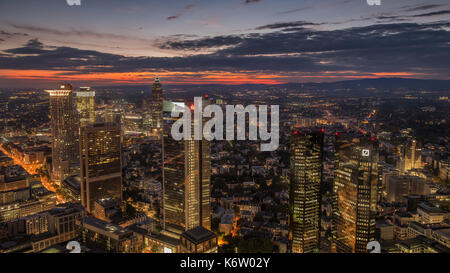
74	181
428	208
65	209
12	173
104	227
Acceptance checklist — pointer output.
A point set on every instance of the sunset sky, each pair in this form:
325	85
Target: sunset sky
115	42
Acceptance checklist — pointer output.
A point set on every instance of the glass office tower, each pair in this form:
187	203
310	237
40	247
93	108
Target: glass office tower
86	106
355	193
100	160
64	126
306	155
186	177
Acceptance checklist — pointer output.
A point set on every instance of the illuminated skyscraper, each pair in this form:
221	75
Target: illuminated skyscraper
355	194
410	155
186	178
157	107
64	125
86	106
113	115
305	181
100	163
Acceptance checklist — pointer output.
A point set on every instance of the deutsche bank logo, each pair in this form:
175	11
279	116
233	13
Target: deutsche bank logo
374	2
365	152
73	2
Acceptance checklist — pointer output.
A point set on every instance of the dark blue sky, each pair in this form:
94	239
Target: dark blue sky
232	41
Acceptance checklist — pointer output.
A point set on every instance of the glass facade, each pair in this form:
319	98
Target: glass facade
306	155
64	126
100	172
157	107
355	193
86	106
186	179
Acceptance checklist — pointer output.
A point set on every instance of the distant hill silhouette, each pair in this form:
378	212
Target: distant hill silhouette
380	83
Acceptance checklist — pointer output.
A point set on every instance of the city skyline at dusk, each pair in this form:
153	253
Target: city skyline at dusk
244	128
226	42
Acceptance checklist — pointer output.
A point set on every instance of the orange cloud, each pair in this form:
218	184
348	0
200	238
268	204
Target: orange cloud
144	77
205	77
